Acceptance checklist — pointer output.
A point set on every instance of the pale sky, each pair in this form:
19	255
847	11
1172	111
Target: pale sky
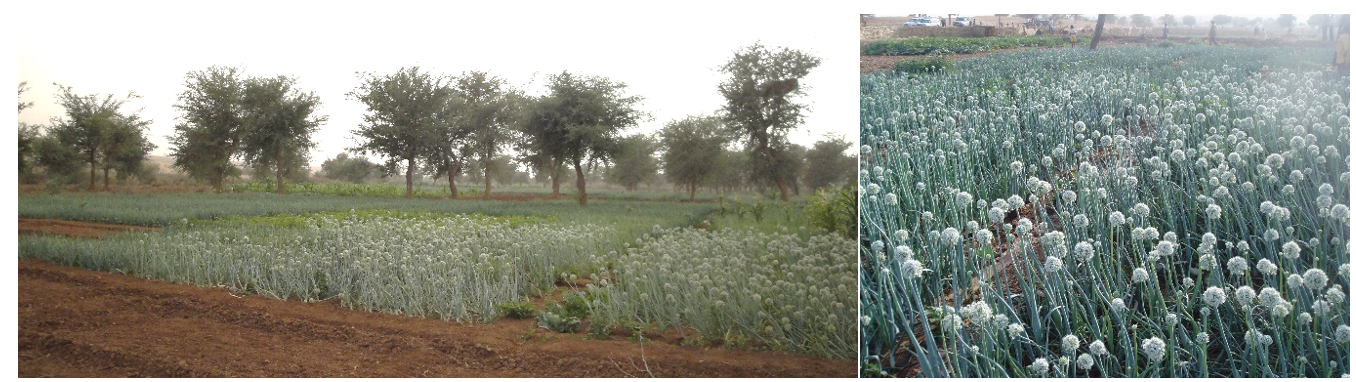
666	52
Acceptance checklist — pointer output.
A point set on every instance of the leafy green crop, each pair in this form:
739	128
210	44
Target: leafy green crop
960	45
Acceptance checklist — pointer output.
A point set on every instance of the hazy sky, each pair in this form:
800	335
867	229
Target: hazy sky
666	52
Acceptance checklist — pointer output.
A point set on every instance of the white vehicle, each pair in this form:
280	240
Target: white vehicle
962	22
923	22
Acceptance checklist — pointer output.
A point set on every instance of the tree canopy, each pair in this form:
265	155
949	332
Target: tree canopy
211	117
100	132
278	122
635	161
404	111
487	110
827	163
578	122
348	169
692	150
760	91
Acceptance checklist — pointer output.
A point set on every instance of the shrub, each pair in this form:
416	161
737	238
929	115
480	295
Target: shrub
934	64
835	210
516	309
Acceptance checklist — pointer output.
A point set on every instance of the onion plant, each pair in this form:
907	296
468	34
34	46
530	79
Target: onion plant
1125	212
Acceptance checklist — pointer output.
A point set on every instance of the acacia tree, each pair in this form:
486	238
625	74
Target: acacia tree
759	91
28	135
1287	21
279	120
1189	20
1141	21
578	122
1168	19
826	163
99	131
126	149
692	151
404	110
486	114
544	165
635	162
350	169
211	117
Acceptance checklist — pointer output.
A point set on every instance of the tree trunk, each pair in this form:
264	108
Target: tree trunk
220	178
1097	35
452	170
277	162
692	192
409	178
579	183
92	173
555	181
487	181
776	178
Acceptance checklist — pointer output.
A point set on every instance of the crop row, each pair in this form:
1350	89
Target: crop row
960	45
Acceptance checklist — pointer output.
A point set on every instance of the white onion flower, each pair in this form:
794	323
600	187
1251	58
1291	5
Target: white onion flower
1294	281
1083	251
1154	348
1244	295
978	312
1213	296
1053	264
950	236
1097	348
1290	250
1141	210
1140	276
1238	266
1116	219
1335	295
1040	366
1213	211
1070	343
996	214
1266	267
1270	297
1256	338
1118	305
1315	279
1085	361
1321	307
911	269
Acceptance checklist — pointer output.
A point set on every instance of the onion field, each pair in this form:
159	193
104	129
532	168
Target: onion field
1124	212
761	280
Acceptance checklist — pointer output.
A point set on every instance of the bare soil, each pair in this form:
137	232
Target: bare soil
79	323
75	228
